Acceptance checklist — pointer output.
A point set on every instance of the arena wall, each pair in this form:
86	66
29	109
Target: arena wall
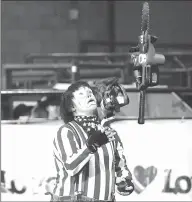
45	26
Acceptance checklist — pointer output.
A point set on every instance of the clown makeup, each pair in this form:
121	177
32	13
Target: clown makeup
84	102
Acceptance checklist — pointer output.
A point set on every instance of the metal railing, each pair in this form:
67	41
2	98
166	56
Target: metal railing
55	57
76	61
73	67
15	92
8	96
75	72
111	58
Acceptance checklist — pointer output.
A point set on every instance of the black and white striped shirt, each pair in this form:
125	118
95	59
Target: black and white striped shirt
79	170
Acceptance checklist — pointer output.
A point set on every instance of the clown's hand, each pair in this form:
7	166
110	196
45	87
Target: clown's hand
125	187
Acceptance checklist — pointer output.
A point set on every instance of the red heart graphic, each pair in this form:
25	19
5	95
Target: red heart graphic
144	176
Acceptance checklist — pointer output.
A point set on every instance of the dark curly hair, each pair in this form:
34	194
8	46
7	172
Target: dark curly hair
66	100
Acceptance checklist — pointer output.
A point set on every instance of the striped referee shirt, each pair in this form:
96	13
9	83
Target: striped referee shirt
80	171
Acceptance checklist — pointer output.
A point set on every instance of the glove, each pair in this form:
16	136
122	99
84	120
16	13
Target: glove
125	187
96	139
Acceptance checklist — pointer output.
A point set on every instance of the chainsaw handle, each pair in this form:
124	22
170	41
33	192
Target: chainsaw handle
141	119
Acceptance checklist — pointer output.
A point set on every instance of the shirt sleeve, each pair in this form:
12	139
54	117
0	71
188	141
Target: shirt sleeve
121	168
68	152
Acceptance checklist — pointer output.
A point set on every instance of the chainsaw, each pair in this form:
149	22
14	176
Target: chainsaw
145	62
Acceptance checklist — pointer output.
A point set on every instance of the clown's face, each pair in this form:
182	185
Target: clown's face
84	102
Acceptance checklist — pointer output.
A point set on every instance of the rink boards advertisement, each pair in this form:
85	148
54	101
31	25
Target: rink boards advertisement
158	153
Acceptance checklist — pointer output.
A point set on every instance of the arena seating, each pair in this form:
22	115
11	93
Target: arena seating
69	67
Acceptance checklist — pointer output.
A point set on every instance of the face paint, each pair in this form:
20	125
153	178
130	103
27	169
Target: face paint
84	101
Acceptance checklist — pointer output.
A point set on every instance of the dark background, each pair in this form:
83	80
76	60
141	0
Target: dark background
45	26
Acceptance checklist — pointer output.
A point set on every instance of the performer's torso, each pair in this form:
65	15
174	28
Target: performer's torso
95	180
